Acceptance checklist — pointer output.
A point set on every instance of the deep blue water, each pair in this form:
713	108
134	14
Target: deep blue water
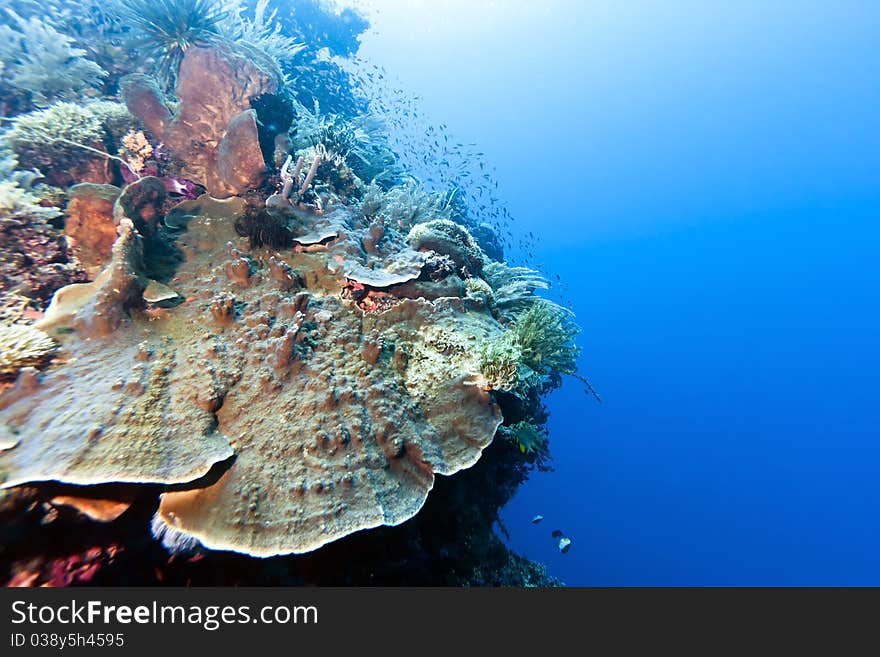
706	181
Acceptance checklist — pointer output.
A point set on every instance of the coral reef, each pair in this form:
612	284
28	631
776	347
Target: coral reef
262	32
397	420
500	363
168	28
527	436
34	260
312	363
403	206
19	196
512	289
545	335
360	144
450	239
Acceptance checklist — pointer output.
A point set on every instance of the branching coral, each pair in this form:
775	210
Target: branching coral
43	63
58	140
263	31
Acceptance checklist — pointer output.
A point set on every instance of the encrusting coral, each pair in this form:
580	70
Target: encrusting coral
326	442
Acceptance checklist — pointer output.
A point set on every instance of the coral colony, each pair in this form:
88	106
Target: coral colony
230	323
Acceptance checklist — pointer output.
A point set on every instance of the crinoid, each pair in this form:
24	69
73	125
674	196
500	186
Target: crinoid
170	28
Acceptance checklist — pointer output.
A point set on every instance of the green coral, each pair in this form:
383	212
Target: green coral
545	334
541	342
54	137
500	362
42	63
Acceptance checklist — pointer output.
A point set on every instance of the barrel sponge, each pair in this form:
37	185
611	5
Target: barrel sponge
450	239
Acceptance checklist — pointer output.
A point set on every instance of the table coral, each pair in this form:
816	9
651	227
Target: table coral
327	441
266	369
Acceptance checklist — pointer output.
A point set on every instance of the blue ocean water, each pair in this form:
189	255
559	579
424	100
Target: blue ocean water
705	178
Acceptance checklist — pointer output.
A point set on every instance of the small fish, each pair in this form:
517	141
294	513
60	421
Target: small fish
537	519
564	545
556	533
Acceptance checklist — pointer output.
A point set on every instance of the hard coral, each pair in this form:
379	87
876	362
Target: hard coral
326	442
450	239
35	259
23	346
20	198
67	141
